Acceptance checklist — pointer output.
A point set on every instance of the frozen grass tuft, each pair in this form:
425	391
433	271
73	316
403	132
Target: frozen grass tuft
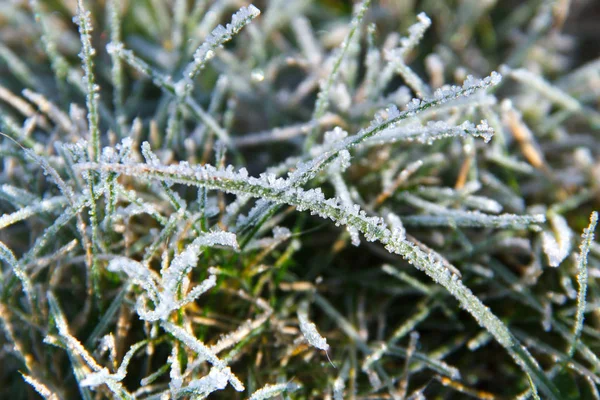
182	181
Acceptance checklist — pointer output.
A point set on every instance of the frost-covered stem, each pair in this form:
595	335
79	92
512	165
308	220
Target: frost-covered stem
111	202
306	171
169	228
160	80
92	211
77	351
219	36
166	83
117	67
414	107
82	19
396	56
203	54
203	351
586	240
269	391
76	206
40	387
475	219
41	206
322	103
152	159
373	228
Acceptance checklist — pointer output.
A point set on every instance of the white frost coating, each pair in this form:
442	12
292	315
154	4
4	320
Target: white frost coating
430	262
105	377
354	235
176	379
269	391
306	170
232	338
557	249
474	219
215	380
168	299
40	388
137	272
76	349
395	58
108	344
334	135
218	37
17	195
312	336
281	233
470	85
150	157
188	258
204	352
415	32
83	20
587	238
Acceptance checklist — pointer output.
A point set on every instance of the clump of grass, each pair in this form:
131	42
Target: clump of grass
303	201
